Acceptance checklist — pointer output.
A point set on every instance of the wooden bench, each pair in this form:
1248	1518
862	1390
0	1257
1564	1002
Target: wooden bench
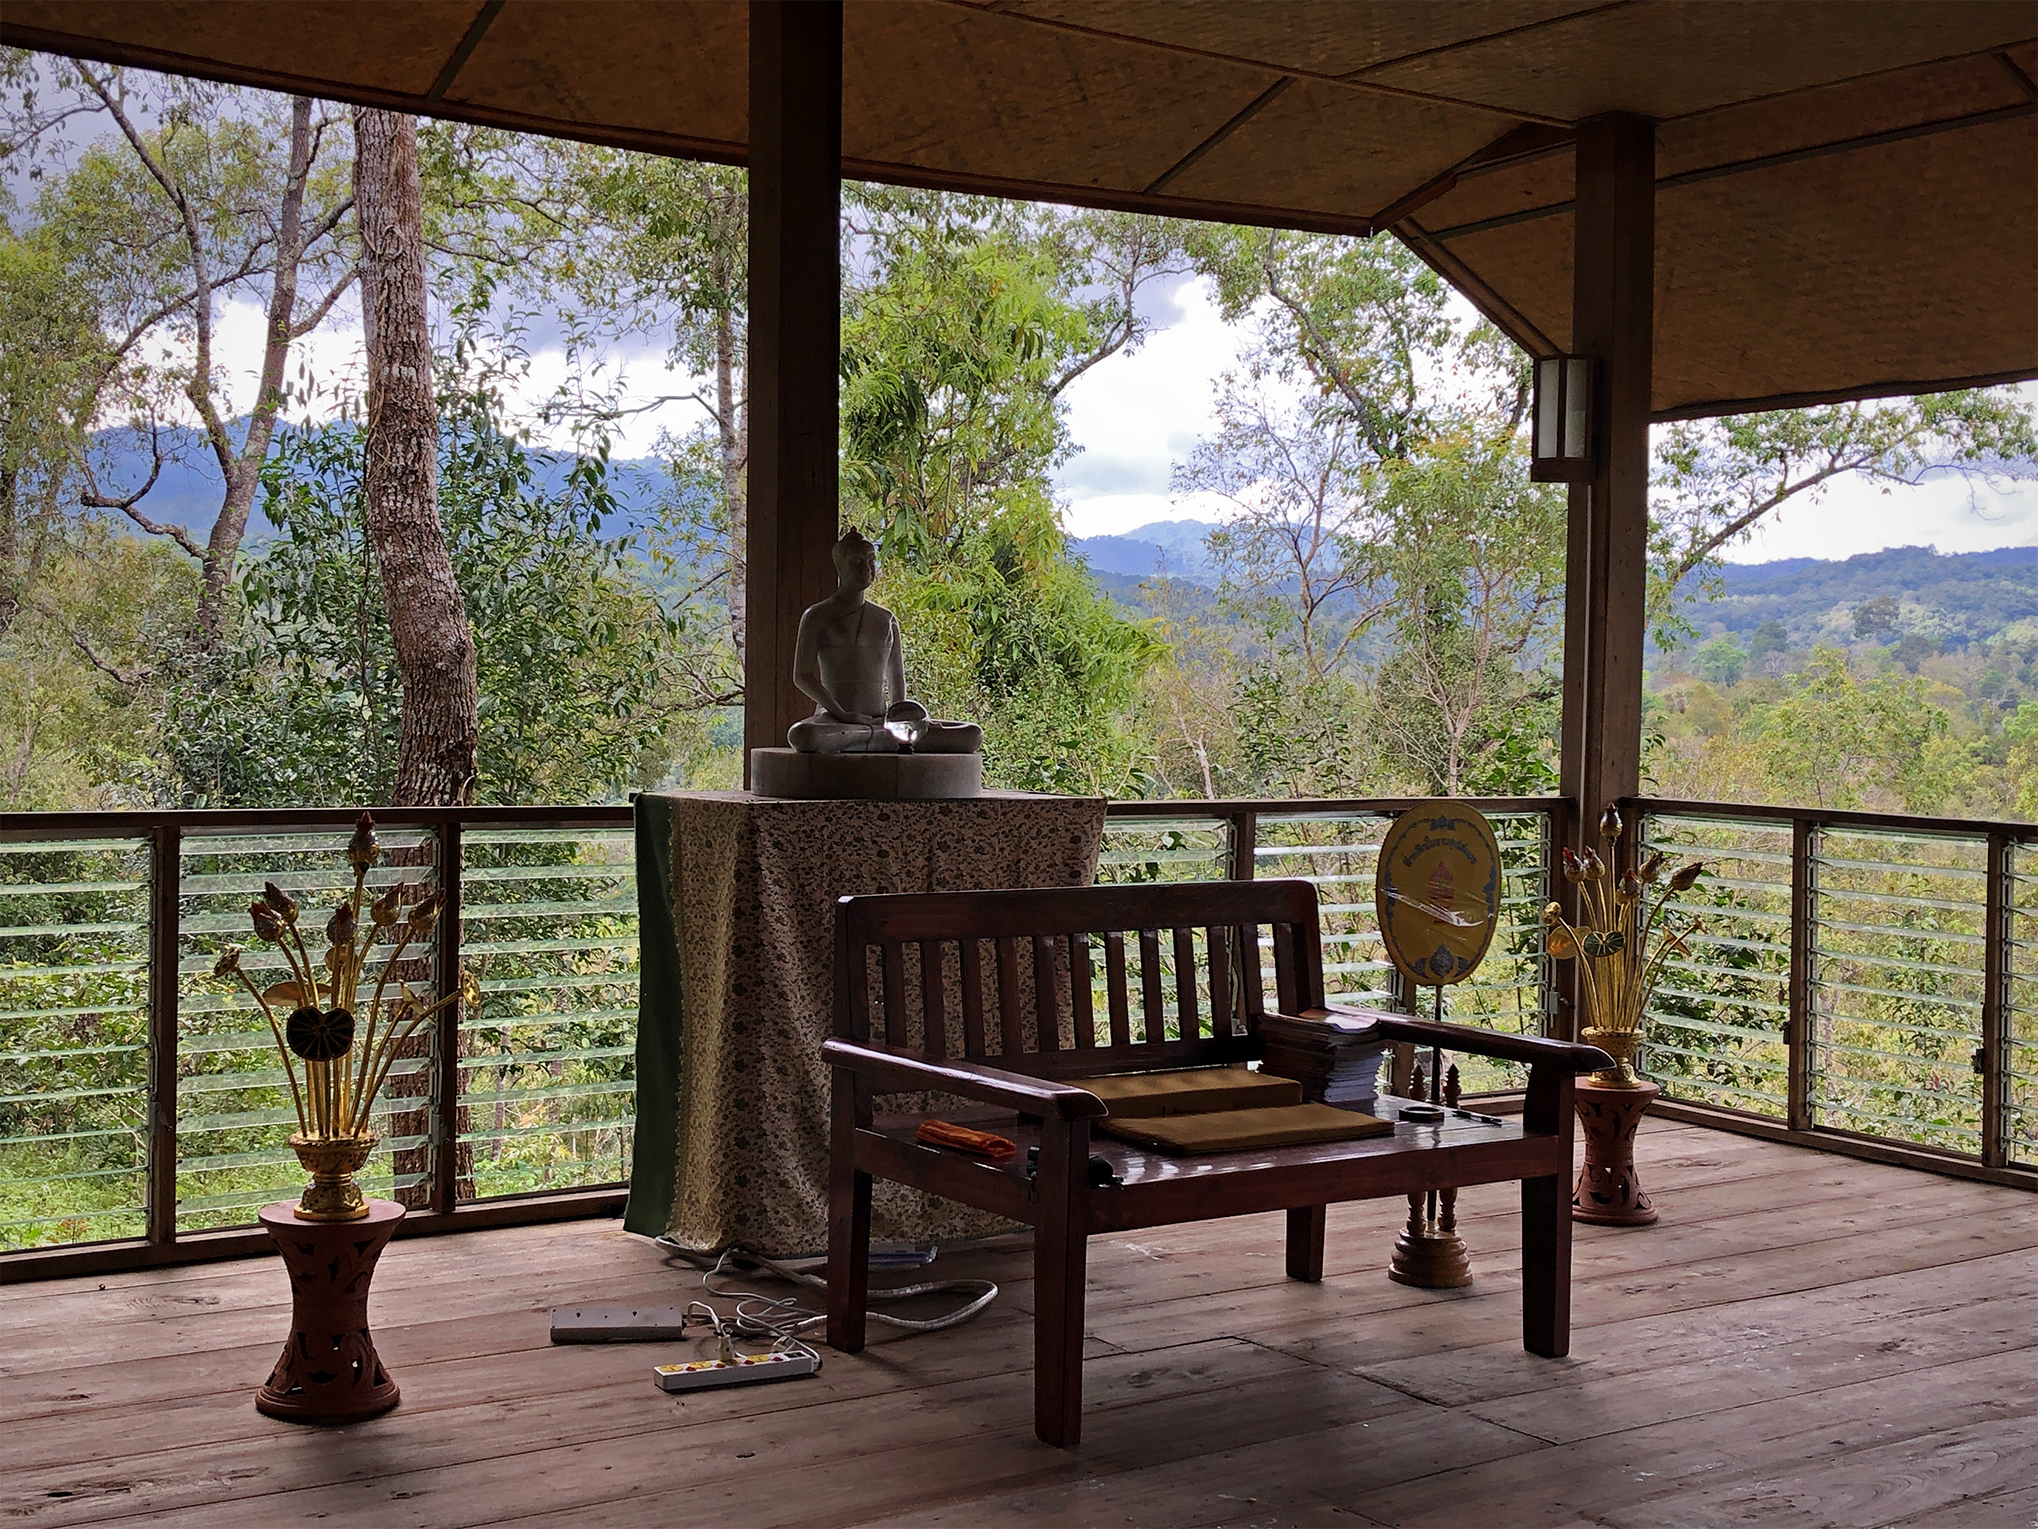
1027	1053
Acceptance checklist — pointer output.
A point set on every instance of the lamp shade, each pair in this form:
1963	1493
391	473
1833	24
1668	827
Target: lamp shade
1561	451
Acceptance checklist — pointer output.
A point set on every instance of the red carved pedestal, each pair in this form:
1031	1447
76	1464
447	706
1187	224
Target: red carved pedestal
1608	1191
329	1371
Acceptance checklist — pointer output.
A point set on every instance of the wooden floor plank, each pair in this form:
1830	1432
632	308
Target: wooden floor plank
1803	1340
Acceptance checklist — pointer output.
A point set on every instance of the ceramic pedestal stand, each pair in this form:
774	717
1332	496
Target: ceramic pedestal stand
328	1371
1609	1193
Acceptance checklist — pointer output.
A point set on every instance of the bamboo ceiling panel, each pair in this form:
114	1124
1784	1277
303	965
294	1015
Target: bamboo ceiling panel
1894	244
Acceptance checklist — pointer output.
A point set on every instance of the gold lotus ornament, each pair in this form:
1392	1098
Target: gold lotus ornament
1620	943
336	1051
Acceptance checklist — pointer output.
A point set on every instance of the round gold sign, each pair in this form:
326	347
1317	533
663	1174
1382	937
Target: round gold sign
1437	891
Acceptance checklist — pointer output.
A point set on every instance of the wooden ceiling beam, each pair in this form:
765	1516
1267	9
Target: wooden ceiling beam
1252	109
1895	388
1529	139
476	30
1502	314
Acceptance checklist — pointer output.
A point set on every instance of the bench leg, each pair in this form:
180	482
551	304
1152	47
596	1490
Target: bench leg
848	1236
1305	1242
1060	1260
1546	1267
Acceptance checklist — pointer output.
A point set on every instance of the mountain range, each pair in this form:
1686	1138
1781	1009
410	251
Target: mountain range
1954	597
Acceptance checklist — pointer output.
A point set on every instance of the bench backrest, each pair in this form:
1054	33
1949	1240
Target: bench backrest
1075	981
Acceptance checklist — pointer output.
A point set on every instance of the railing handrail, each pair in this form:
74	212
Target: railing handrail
1837	817
122	823
1269	806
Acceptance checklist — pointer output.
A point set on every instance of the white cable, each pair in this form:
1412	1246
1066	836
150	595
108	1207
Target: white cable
782	1318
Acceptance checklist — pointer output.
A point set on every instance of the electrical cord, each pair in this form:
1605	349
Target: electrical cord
781	1319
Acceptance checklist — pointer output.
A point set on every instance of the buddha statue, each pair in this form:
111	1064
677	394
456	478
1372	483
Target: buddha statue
849	662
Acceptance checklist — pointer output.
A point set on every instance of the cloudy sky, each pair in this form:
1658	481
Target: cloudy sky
1137	415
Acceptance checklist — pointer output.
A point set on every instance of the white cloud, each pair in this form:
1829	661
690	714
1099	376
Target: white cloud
1947	511
1135	417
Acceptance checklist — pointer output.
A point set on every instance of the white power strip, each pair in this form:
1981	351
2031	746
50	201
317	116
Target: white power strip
701	1374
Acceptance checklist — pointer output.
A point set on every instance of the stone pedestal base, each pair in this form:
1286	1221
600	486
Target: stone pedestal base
329	1371
1609	1193
865	777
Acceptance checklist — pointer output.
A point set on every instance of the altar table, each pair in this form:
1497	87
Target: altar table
736	895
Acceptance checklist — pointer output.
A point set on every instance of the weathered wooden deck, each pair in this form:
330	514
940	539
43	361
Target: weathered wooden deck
1804	1340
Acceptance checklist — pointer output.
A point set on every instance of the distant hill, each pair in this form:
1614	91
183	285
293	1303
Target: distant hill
1957	598
1174	547
189	488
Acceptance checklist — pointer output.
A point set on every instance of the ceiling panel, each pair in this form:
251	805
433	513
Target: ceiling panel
677	68
1316	143
1665	60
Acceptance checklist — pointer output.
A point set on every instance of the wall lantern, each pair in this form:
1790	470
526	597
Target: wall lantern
1562	449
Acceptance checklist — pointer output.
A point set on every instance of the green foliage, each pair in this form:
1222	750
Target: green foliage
574	652
1721	661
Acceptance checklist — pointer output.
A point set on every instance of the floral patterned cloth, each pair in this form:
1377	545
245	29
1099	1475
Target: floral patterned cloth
733	1097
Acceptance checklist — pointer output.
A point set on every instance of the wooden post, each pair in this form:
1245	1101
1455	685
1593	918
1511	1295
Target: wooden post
445	1122
165	945
795	339
1606	570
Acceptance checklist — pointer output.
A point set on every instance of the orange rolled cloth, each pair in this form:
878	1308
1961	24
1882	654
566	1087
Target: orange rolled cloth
940	1133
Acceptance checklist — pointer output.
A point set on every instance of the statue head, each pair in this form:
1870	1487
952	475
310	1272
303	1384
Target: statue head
855	561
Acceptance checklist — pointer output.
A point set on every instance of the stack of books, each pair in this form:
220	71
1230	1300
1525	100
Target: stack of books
1336	1057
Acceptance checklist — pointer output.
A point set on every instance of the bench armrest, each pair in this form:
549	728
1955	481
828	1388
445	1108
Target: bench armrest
1531	1050
899	1071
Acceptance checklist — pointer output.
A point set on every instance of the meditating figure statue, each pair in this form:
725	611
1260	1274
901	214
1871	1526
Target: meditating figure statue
848	661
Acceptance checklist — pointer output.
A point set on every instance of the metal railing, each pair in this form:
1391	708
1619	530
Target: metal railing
1859	981
143	1111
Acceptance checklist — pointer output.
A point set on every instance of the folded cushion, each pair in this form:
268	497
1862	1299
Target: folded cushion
1190	1091
1281	1125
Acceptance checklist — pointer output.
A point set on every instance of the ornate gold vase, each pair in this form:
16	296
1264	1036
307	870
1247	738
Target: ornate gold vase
332	1162
1623	1046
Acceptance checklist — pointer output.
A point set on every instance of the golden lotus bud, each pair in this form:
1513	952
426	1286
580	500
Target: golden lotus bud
1651	868
1551	913
1594	866
1687	876
363	850
425	915
1630	885
1574	868
341	927
228	963
385	908
267	925
280	901
1609	822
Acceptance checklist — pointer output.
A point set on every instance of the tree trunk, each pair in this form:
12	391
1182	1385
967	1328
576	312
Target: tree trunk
439	732
732	419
